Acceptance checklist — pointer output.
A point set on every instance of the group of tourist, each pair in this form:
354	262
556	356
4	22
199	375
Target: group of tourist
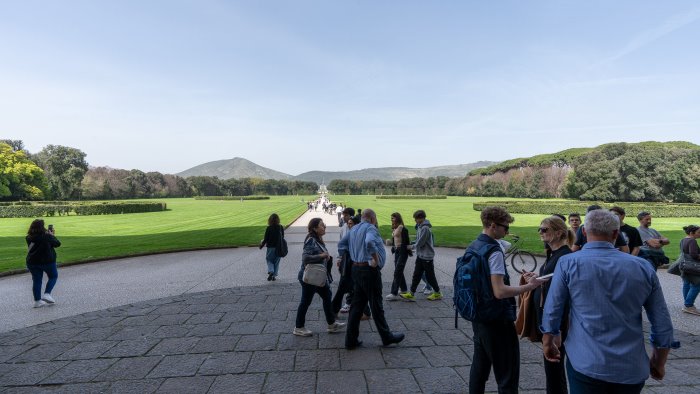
585	303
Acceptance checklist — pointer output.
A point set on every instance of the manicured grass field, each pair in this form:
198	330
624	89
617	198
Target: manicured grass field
187	224
456	223
195	224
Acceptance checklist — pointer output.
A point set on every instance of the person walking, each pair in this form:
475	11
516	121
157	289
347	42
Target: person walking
41	258
274	234
691	282
605	345
399	246
425	253
366	251
315	252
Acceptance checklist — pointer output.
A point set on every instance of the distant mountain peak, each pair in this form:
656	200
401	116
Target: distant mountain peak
239	167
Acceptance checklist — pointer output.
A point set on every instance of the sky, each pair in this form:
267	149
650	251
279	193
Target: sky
342	85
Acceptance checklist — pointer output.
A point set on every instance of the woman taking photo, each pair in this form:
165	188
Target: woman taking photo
399	242
691	283
274	234
553	232
41	257
315	252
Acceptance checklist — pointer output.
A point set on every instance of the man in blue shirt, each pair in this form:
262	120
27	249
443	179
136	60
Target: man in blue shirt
366	249
606	290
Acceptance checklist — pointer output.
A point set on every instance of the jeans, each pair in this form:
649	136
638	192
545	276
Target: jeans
273	261
690	292
307	295
399	278
582	384
427	267
367	289
495	344
37	272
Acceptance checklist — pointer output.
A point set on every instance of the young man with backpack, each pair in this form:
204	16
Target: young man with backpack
484	295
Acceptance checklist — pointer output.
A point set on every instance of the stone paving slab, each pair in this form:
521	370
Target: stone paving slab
162	346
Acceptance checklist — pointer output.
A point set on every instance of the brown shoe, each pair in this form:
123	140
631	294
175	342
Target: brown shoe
365	317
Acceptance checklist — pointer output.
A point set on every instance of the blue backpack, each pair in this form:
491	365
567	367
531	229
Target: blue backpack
473	296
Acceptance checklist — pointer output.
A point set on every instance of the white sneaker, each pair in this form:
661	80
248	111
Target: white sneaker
391	297
39	304
345	308
47	297
302	332
335	327
427	291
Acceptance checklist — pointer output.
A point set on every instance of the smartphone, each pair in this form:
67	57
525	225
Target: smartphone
546	276
50	228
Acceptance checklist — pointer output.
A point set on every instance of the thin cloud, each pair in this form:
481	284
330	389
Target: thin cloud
647	37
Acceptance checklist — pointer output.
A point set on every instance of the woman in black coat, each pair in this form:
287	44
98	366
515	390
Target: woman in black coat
274	234
41	257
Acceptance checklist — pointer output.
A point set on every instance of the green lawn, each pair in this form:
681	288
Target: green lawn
193	224
456	223
187	224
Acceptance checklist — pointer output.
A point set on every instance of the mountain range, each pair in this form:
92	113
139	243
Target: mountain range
241	168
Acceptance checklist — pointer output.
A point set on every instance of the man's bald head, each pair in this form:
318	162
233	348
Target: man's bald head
368	215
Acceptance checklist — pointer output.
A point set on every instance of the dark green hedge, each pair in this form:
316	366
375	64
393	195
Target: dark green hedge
662	210
232	198
79	208
412	197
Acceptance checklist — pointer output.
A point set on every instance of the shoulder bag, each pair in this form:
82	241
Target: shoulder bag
689	266
282	249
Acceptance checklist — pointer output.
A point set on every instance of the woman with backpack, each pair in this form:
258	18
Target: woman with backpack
274	236
315	253
41	257
399	247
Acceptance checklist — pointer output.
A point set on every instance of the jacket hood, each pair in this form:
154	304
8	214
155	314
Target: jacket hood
426	222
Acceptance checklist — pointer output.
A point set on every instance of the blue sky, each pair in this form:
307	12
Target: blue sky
342	85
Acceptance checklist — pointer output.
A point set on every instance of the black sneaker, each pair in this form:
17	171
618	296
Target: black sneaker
269	276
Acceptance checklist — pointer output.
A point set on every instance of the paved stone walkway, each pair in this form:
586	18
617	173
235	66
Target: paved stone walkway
238	339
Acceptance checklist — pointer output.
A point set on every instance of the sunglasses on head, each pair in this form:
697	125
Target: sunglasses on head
542	230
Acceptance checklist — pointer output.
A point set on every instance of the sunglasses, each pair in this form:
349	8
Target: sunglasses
542	230
505	226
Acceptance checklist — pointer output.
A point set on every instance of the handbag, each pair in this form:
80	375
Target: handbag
315	274
282	250
675	268
689	266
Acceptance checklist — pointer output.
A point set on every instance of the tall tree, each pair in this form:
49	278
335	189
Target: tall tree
20	178
65	168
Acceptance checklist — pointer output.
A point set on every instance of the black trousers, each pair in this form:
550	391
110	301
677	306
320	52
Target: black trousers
556	374
345	286
399	282
307	295
429	269
495	344
368	289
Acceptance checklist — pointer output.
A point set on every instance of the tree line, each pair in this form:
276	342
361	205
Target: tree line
645	172
61	173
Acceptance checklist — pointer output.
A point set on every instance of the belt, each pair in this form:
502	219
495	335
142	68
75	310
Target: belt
363	264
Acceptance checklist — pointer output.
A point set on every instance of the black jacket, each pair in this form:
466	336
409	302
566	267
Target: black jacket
273	236
41	249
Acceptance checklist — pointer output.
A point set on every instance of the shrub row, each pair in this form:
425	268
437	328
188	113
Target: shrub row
232	198
412	197
662	210
90	208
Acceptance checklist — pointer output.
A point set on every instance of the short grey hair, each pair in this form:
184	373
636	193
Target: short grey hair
601	222
368	214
